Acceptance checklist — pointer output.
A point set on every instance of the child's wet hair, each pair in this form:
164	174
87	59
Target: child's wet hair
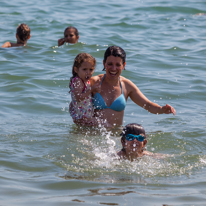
23	32
132	128
79	59
115	51
76	32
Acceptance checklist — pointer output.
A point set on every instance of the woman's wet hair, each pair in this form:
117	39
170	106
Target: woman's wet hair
79	59
76	32
115	51
132	128
23	32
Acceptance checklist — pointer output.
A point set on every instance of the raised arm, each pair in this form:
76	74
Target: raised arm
140	99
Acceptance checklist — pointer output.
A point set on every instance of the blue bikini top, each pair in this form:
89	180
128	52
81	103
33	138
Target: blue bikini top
118	105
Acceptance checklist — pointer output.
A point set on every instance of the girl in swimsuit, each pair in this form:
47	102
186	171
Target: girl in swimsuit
81	107
110	102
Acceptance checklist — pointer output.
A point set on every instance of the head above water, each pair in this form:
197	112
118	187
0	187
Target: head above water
71	35
132	128
79	59
23	32
74	28
115	51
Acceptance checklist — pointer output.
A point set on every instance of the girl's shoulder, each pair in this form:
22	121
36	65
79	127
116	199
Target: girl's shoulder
76	81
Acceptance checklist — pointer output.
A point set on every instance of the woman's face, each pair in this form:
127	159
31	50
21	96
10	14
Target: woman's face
114	66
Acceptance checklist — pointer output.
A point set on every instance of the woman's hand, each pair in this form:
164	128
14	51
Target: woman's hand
96	87
167	109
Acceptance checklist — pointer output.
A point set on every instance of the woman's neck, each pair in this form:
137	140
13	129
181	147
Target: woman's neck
111	82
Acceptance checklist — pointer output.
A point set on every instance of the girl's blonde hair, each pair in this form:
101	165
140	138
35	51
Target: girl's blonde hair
79	59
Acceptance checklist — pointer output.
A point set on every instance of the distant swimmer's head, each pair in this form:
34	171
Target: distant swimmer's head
23	32
115	51
71	35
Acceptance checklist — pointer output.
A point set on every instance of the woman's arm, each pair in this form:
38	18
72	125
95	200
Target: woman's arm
140	99
95	84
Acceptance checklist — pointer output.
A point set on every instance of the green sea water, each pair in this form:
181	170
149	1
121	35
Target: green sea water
46	159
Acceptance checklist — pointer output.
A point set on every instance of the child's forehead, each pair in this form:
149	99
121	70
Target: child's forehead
70	30
90	61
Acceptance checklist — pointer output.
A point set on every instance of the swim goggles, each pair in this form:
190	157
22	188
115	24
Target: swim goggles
131	137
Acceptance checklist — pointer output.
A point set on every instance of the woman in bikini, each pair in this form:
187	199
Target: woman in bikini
110	103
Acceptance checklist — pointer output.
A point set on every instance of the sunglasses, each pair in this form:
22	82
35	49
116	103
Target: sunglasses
131	137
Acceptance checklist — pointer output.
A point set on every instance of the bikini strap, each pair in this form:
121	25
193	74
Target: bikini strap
102	79
121	85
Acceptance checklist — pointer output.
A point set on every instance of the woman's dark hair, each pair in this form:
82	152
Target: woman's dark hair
79	59
23	32
71	27
132	128
115	51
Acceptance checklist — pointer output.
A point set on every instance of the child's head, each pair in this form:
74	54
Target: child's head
23	32
71	35
83	66
133	132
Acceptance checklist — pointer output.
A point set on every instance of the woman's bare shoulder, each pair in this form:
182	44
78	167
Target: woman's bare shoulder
97	78
128	84
126	81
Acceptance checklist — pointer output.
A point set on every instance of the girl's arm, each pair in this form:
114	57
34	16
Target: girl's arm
78	90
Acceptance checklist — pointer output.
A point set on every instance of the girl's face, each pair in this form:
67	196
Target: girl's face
70	37
85	71
114	66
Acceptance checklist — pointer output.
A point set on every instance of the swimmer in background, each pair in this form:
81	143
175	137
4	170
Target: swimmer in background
22	36
134	140
81	107
71	35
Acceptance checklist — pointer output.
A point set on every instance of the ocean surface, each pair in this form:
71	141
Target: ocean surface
45	159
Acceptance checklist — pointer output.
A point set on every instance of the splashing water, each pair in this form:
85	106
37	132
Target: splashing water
94	157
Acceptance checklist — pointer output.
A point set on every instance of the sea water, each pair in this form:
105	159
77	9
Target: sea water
46	159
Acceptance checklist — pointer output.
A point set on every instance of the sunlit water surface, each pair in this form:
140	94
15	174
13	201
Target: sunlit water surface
45	159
